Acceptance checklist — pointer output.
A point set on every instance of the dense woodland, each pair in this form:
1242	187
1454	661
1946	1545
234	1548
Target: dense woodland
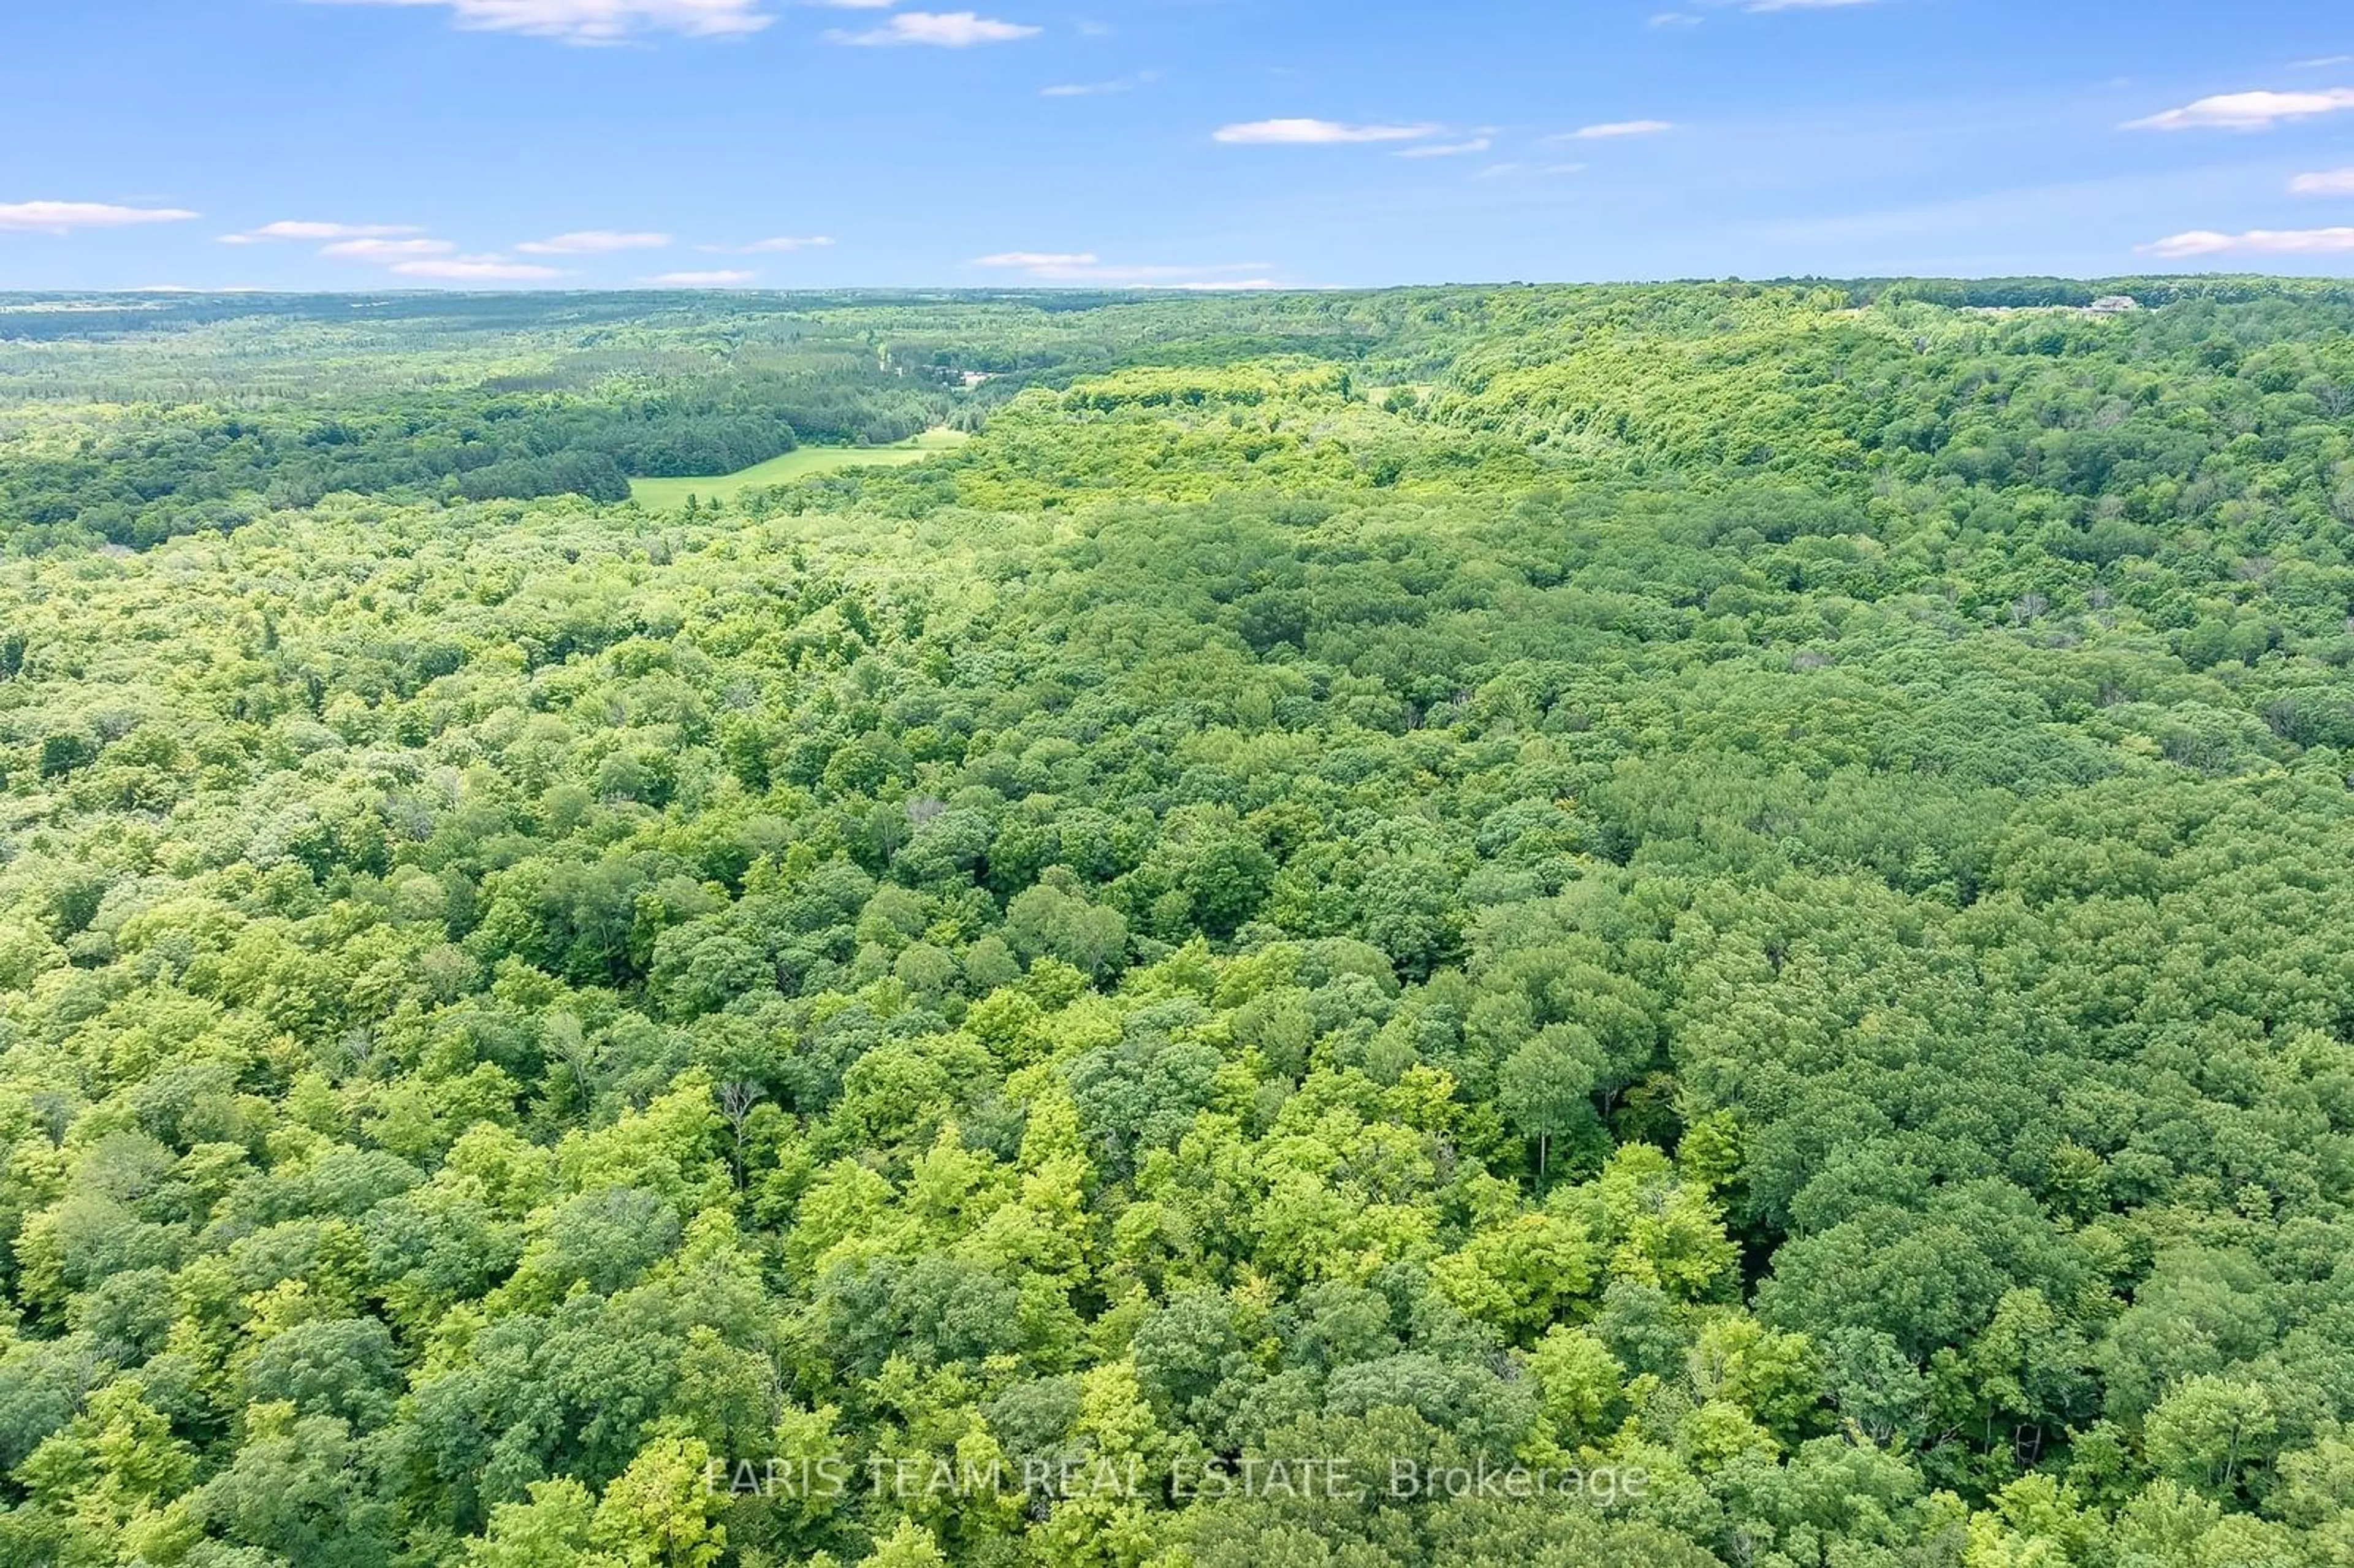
1740	886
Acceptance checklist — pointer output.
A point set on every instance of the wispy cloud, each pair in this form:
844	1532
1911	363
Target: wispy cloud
1100	88
386	249
1614	129
2257	243
2324	62
596	21
1507	171
939	29
593	242
1086	267
722	280
1316	132
782	242
291	229
2324	182
2247	111
1037	260
477	269
65	216
1446	149
1692	20
382	244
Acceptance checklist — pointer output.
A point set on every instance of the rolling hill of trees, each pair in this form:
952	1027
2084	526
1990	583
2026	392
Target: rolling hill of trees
1365	905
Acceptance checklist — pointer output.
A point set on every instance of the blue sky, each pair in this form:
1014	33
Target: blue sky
414	143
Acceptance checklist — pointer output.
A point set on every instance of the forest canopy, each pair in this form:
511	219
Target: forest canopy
1740	888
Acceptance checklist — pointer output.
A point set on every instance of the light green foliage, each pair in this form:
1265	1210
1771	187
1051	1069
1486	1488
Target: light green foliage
549	1530
1742	884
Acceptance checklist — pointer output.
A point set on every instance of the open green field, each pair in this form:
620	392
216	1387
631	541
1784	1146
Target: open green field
797	464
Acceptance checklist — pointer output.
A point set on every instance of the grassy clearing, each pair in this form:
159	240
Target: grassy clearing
797	464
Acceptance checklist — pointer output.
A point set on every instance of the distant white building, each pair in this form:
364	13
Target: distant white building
2113	305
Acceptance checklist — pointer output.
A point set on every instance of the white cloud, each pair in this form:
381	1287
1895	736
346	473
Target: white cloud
65	216
943	30
593	242
1316	132
1036	260
1615	129
1100	88
1447	149
1675	19
782	242
1086	267
315	231
1506	171
386	249
2325	182
596	21
2247	111
2325	62
2256	241
724	280
477	269
1148	276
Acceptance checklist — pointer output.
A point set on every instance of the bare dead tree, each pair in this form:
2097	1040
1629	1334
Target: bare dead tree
737	1098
